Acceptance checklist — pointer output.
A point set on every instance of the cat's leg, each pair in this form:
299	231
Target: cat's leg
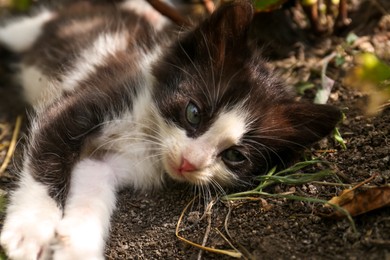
19	34
82	232
32	217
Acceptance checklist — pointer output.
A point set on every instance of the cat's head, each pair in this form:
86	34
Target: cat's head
225	116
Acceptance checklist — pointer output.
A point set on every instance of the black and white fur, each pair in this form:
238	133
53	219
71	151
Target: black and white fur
121	100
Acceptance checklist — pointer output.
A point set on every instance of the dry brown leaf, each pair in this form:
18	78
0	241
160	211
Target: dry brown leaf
357	202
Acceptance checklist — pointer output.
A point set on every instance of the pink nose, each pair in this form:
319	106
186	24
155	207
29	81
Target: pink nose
186	166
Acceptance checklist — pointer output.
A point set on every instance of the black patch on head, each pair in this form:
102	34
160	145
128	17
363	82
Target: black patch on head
201	67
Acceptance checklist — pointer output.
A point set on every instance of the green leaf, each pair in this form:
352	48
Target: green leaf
297	178
3	256
308	2
351	38
303	86
21	5
298	166
339	139
372	76
268	5
339	60
372	69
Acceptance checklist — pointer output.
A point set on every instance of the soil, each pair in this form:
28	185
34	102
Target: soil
143	226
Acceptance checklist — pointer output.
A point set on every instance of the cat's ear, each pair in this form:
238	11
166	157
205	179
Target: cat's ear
225	30
229	22
312	121
299	124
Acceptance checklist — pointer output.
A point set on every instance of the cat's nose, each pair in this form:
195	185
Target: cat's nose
186	166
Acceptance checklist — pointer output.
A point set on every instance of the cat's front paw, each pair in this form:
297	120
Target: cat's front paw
32	217
78	238
27	235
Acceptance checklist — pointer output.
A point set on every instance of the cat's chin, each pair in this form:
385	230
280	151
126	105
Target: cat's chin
178	176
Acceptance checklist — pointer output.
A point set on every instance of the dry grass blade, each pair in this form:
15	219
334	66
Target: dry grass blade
245	252
232	253
384	106
12	145
227	240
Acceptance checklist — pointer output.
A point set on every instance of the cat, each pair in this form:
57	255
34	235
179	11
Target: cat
121	99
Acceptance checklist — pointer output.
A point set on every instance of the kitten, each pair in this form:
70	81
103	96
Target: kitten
121	100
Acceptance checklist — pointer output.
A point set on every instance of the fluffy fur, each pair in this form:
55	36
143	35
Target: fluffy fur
121	100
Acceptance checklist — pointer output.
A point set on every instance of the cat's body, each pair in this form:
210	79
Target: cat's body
121	101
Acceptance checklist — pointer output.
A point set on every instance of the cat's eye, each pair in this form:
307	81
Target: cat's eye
193	115
233	156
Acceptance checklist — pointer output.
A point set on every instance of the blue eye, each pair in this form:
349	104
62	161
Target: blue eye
233	156
193	115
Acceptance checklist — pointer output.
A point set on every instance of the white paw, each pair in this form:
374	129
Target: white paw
27	234
78	238
32	217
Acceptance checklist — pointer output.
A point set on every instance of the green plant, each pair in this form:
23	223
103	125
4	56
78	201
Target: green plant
290	176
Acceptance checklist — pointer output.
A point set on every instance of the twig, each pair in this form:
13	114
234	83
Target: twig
208	229
195	222
231	253
169	12
326	151
12	145
364	182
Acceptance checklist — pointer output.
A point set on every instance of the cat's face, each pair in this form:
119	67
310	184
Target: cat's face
200	156
225	116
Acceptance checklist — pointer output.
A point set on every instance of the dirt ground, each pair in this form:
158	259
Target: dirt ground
143	226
